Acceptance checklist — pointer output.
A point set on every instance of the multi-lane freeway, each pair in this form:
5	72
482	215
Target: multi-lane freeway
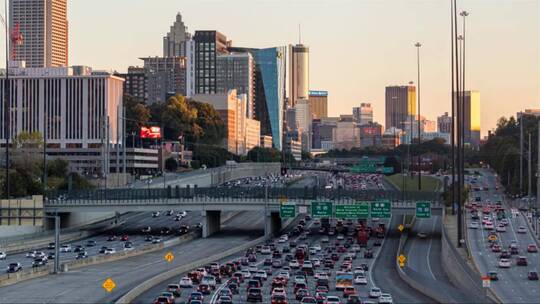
513	285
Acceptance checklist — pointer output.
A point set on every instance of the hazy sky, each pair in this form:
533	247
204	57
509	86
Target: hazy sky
357	47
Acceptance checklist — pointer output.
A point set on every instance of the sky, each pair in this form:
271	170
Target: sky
357	47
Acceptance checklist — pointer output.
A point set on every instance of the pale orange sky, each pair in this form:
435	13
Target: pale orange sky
357	46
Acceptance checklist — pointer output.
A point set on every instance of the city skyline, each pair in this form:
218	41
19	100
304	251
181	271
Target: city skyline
384	54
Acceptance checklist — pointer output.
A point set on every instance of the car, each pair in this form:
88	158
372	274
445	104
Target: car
488	225
333	300
210	280
325	239
505	263
368	254
146	229
224	300
532	275
254	295
504	221
91	243
522	230
348	291
51	245
155	214
124	238
65	248
532	248
522	261
197	296
493	276
32	254
294	264
374	292
505	254
514	251
78	248
156	240
421	235
474	225
111	238
14	267
385	298
278	299
301	293
204	289
185	282
360	279
39	262
81	255
3	255
501	228
109	251
163	300
128	246
354	299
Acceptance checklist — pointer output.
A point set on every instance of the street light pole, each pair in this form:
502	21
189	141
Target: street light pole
452	98
418	45
7	108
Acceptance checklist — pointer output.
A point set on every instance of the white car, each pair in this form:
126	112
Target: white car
332	300
266	250
182	213
262	274
374	292
65	248
359	271
294	264
488	226
504	222
316	262
110	251
360	279
155	214
501	228
210	281
504	263
522	230
325	240
3	255
246	274
473	225
317	247
385	298
340	237
282	240
185	282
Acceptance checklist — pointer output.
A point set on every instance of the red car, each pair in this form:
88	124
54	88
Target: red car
204	289
496	248
125	238
532	248
522	261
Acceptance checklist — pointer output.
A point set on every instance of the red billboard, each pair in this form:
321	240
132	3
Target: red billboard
151	132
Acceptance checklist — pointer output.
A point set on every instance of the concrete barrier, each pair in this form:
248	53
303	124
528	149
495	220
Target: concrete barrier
32	273
148	284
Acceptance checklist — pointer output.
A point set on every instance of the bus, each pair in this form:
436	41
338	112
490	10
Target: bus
343	279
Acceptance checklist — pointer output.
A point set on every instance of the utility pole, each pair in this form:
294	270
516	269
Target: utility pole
118	121
452	95
520	153
529	192
7	108
124	144
418	45
538	174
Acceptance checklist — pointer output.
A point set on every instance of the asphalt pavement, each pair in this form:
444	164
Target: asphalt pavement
513	285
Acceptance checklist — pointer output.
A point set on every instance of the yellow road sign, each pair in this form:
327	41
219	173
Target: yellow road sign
169	257
402	258
401	227
401	265
108	285
492	237
282	199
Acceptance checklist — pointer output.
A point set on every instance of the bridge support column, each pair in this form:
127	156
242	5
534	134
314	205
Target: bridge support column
272	224
211	222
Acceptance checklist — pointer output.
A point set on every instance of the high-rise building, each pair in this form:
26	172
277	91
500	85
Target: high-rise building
237	71
299	73
208	45
370	135
363	114
166	76
174	43
135	84
444	123
303	122
44	28
318	104
346	135
322	132
528	112
400	105
472	118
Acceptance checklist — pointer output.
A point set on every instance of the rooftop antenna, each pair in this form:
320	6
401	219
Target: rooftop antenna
299	33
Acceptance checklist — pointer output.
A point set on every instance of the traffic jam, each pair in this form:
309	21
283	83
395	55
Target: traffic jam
320	261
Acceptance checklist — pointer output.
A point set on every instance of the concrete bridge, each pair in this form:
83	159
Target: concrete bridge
212	201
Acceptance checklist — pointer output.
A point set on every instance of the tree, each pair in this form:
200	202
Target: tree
178	118
264	155
212	127
137	114
171	164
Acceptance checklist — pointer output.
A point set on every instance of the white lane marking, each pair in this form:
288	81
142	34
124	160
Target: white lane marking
370	271
429	249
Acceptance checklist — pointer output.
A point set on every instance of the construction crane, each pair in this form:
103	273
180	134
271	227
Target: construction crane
15	36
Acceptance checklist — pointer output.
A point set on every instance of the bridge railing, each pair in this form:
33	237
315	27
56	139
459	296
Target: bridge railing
155	194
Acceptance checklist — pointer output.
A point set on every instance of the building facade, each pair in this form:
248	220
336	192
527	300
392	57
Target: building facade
44	28
298	73
318	104
208	45
472	118
166	76
174	43
346	135
236	71
323	130
400	105
444	123
363	114
135	83
370	135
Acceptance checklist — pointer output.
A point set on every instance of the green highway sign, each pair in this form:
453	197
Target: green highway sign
321	209
387	170
287	210
381	209
352	211
423	210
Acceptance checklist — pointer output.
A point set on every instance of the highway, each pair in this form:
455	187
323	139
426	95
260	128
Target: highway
84	285
424	254
513	285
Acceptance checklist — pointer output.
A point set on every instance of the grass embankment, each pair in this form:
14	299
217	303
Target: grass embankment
411	184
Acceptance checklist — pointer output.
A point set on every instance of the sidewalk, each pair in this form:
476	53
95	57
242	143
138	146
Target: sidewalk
450	224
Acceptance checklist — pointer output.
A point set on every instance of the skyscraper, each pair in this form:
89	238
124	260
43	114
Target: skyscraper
444	123
299	73
174	44
400	104
318	104
165	76
135	84
236	71
44	28
208	44
363	114
472	118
